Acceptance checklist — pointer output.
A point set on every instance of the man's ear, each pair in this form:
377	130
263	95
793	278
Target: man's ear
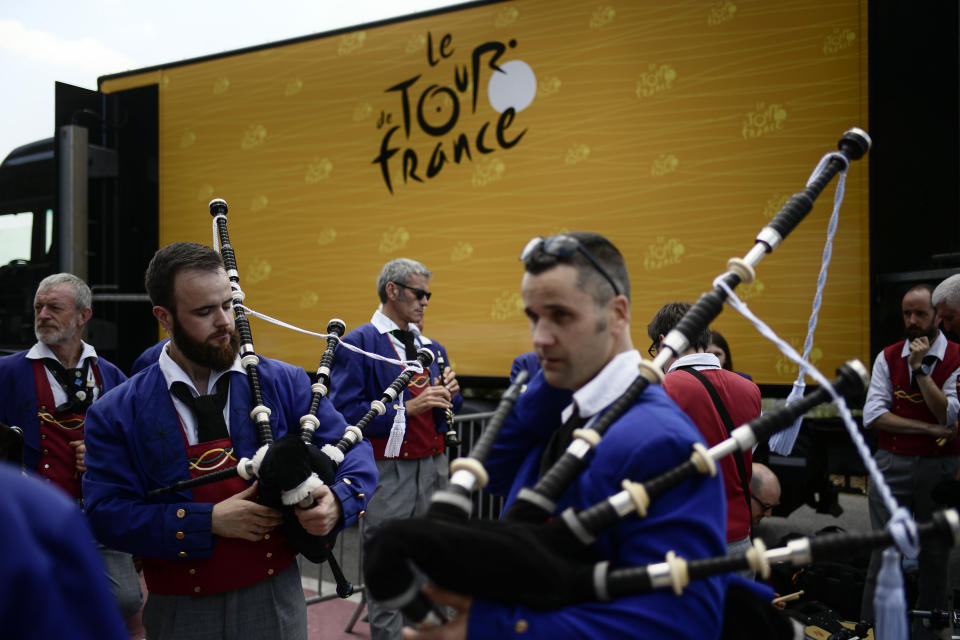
83	317
392	291
164	317
620	309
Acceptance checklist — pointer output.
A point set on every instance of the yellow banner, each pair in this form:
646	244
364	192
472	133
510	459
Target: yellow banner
676	129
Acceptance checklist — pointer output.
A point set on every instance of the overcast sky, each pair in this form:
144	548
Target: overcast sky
44	41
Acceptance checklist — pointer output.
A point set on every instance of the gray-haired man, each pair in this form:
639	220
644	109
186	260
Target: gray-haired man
48	389
409	476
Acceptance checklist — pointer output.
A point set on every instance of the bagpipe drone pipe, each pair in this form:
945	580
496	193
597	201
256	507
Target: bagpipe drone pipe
473	557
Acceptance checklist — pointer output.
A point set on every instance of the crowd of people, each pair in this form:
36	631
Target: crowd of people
218	559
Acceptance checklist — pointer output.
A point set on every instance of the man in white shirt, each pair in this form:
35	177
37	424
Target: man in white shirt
912	403
48	390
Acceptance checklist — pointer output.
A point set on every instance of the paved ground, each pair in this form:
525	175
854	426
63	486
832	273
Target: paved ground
334	618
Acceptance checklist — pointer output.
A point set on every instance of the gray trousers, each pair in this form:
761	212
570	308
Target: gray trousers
274	609
123	579
911	478
404	490
740	547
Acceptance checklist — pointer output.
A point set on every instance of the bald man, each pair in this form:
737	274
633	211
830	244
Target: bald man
764	492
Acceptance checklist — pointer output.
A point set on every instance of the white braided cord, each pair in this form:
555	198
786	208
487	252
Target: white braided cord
876	476
782	442
406	364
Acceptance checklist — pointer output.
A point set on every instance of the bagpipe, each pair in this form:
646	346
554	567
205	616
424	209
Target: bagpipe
292	467
535	558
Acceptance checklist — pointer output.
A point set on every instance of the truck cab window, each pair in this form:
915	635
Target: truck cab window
16	231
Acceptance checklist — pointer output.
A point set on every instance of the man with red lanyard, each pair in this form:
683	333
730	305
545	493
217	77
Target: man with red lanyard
214	562
410	474
912	403
48	389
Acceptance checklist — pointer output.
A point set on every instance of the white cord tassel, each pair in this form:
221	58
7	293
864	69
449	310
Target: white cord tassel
889	602
397	431
782	442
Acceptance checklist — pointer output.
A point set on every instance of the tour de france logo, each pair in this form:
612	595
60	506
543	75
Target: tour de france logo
434	118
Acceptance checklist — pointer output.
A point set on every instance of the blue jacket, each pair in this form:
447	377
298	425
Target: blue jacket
524	362
150	355
356	380
52	583
651	437
19	407
135	444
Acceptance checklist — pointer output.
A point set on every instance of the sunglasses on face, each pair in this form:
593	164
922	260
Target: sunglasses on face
564	246
419	293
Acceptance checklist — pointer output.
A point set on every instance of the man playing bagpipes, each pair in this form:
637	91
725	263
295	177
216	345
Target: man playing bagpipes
214	561
409	448
576	294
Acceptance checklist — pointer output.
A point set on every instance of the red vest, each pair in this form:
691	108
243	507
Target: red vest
421	439
907	402
58	460
235	563
742	401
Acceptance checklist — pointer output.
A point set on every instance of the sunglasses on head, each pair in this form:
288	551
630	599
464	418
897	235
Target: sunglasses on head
419	293
564	246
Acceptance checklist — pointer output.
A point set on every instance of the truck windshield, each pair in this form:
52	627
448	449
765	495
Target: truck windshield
16	235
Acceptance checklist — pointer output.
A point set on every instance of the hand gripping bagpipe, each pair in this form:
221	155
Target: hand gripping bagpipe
290	469
472	557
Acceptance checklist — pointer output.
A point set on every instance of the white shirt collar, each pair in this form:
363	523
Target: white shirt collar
39	351
699	360
172	372
938	348
605	387
384	324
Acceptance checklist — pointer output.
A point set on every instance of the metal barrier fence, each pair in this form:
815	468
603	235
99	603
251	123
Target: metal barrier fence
470	426
349	547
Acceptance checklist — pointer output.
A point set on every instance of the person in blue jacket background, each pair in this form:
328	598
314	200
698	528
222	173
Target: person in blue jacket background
52	583
410	473
47	390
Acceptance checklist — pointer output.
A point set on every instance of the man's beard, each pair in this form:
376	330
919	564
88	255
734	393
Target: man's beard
912	333
59	336
204	354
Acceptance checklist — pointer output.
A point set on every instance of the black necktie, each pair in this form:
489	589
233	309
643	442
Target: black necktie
208	410
74	385
406	338
559	441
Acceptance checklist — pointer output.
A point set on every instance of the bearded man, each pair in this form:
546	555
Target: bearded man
214	562
47	390
912	403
